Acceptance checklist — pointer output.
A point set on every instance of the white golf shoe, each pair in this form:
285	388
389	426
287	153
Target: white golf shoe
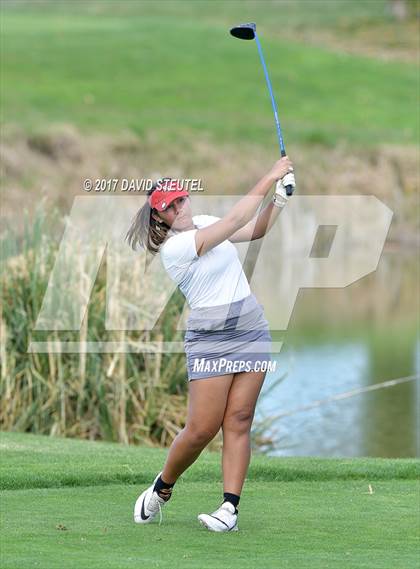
148	504
223	519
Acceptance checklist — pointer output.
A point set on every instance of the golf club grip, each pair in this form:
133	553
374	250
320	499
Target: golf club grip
289	188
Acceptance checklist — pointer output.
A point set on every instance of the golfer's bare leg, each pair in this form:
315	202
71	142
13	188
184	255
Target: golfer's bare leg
236	428
206	407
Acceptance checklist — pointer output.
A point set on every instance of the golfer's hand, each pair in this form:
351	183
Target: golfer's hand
280	195
281	168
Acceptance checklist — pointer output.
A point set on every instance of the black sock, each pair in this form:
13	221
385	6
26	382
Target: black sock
233	499
164	489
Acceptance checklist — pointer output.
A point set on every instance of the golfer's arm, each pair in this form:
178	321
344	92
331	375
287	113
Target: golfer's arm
258	226
239	215
244	210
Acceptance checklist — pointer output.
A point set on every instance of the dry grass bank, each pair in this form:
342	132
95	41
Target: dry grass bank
55	163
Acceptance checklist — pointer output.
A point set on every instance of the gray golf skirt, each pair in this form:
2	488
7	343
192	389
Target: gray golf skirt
229	338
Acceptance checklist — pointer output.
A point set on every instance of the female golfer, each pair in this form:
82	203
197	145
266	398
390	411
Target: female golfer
227	341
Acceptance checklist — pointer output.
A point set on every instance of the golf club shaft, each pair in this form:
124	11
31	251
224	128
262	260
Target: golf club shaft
249	32
273	102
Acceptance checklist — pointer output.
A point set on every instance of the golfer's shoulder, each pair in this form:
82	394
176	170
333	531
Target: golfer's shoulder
182	246
177	247
204	220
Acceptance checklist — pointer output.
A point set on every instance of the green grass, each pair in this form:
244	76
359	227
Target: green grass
36	461
171	66
296	525
69	503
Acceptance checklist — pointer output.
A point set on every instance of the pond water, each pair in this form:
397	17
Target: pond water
344	340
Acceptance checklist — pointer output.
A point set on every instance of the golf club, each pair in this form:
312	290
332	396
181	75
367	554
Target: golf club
249	32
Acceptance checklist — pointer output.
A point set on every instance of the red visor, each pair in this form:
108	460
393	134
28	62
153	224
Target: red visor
166	192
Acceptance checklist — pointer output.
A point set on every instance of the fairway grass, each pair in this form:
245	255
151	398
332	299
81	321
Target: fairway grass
295	513
290	524
170	71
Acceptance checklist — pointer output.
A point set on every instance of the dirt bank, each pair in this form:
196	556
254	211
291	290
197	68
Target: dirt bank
55	162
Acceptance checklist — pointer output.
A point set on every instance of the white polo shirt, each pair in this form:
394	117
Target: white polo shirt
213	279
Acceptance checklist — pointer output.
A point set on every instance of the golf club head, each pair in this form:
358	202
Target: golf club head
244	31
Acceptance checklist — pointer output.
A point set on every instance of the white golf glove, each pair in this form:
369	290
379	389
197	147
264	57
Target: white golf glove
280	197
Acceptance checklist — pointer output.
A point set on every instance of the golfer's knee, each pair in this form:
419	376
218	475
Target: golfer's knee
200	436
238	422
